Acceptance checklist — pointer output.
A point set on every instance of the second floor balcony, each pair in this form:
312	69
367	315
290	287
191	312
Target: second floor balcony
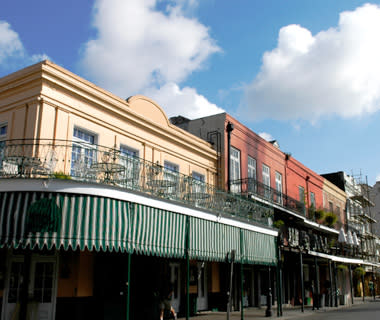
91	163
251	187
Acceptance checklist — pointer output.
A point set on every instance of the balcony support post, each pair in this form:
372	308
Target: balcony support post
302	284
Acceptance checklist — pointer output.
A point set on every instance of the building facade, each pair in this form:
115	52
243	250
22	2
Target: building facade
105	206
309	211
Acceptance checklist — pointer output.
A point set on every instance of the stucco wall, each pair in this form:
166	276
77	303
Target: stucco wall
58	100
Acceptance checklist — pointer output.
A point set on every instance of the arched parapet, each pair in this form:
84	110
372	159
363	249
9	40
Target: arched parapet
149	109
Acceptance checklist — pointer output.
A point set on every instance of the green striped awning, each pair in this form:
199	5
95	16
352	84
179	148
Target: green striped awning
61	220
259	248
84	221
158	232
96	223
212	240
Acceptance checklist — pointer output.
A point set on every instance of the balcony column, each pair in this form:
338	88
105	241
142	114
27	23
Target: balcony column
268	311
351	286
316	298
128	285
242	274
279	279
331	285
302	284
187	254
363	287
25	285
373	281
335	285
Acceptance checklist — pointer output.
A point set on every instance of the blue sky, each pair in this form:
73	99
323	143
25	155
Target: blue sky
306	73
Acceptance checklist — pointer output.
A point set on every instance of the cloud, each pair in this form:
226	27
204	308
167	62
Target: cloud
378	177
335	72
266	136
139	46
12	51
185	102
10	44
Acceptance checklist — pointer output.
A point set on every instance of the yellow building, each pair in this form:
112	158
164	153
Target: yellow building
104	205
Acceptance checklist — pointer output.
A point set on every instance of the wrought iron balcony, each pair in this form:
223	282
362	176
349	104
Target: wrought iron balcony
251	187
58	159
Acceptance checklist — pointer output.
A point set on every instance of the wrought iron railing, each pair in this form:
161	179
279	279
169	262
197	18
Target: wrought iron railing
61	159
251	186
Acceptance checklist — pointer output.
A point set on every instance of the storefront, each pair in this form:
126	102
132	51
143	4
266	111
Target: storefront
111	257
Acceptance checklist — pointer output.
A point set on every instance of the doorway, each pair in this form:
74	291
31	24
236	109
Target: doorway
202	300
175	277
42	289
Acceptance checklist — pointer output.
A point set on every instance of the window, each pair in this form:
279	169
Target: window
312	200
266	181
3	131
83	152
331	206
251	168
301	192
198	183
235	169
129	158
3	136
278	187
252	184
171	177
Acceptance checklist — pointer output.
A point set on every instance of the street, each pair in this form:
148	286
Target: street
370	310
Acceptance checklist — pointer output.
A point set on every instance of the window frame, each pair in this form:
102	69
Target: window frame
131	161
279	186
87	151
266	180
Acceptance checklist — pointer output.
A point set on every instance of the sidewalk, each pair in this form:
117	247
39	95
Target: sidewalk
259	314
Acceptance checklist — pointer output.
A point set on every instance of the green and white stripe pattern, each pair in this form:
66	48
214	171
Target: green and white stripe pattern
211	240
259	248
101	223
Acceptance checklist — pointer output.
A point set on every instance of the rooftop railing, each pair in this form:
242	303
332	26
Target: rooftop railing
86	162
252	187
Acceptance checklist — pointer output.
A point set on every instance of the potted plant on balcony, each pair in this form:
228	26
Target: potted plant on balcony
61	175
330	219
359	271
278	224
319	214
342	267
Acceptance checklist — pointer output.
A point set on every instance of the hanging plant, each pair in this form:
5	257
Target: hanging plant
359	271
278	224
330	218
319	214
342	267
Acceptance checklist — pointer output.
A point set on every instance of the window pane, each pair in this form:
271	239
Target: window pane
83	152
129	158
251	168
3	130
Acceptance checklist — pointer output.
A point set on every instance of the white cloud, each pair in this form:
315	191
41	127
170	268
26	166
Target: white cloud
266	136
12	51
336	71
138	46
10	43
378	177
185	102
